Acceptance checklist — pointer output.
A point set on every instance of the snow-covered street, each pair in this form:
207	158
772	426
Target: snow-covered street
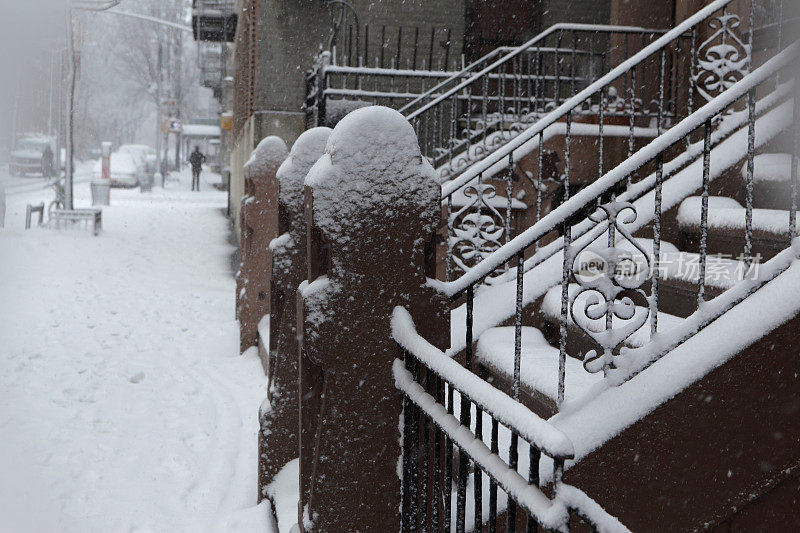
124	403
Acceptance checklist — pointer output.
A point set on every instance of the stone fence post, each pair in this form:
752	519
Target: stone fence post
372	205
259	225
278	438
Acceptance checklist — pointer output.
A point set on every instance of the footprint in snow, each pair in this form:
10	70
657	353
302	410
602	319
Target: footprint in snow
137	377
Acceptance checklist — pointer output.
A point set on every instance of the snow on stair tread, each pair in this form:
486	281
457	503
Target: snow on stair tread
495	140
538	362
727	213
721	272
459	199
551	308
770	167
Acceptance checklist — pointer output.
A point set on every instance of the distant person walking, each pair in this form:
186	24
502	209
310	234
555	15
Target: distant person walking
196	159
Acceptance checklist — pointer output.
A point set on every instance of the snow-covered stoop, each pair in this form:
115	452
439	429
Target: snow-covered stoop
708	435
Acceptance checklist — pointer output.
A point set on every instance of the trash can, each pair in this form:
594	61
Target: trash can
146	183
101	192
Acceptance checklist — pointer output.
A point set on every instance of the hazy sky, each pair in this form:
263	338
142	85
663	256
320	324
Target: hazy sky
31	28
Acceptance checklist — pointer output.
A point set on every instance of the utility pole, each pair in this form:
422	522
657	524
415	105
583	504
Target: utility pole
92	5
85	5
68	200
159	104
50	100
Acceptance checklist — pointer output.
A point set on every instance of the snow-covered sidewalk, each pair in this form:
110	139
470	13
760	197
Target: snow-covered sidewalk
124	404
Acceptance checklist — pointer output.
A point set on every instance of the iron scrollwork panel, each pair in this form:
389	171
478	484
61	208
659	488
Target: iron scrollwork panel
723	59
608	303
476	229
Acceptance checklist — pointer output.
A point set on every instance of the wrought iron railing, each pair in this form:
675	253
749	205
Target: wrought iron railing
493	99
447	408
638	99
621	300
333	90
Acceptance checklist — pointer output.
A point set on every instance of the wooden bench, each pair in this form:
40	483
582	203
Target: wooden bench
91	214
30	210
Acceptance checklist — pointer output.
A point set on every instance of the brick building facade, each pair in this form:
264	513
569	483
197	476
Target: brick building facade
277	41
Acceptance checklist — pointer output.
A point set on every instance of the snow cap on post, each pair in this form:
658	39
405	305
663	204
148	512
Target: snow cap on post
372	205
266	157
279	436
292	173
372	156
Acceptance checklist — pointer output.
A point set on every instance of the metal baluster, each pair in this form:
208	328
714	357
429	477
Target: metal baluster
448	260
592	53
408	78
529	77
565	272
485	108
513	452
383	43
795	156
751	150
657	217
468	90
690	98
437	458
518	325
427	135
399	44
501	106
407	456
538	86
448	473
436	112
557	70
515	86
534	455
414	471
511	512
539	172
453	118
509	197
631	120
558	475
425	468
704	211
626	48
572	65
478	473
495	449
463	463
430	52
601	117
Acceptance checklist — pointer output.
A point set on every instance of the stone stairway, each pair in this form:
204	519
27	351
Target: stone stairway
678	297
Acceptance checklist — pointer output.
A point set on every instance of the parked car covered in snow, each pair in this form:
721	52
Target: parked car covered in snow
125	172
33	155
143	154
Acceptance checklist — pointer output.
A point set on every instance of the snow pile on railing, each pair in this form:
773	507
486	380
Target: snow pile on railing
498	404
552	514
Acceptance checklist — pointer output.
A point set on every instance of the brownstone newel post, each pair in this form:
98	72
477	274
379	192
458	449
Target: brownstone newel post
278	439
259	226
372	207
